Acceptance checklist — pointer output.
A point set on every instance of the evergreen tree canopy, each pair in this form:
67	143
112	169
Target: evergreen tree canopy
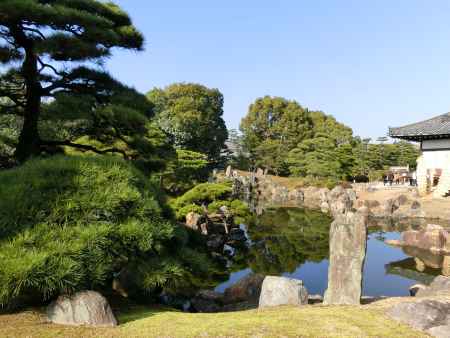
53	48
275	127
192	115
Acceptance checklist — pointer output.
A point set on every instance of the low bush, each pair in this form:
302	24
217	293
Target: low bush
211	196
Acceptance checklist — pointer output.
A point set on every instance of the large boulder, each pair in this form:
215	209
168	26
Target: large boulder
439	287
82	308
429	315
278	291
247	289
207	301
434	238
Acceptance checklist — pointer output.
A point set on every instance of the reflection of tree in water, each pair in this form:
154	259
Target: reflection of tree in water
285	238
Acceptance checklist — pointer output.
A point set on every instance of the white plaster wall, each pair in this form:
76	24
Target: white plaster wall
436	144
437	159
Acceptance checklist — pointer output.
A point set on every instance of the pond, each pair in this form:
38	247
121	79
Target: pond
294	242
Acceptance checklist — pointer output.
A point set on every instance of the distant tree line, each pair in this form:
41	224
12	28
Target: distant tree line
289	140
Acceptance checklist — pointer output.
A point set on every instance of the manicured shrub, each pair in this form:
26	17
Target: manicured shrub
212	196
73	223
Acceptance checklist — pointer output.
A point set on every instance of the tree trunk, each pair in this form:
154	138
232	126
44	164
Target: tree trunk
29	137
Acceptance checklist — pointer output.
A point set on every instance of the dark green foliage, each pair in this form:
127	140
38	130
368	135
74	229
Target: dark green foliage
192	115
209	197
238	209
71	223
59	46
185	171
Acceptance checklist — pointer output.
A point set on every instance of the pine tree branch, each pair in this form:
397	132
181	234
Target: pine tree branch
46	65
28	29
84	147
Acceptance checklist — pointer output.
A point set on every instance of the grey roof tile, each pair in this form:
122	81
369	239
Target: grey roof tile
435	127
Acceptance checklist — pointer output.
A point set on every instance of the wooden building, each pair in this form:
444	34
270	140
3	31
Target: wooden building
433	165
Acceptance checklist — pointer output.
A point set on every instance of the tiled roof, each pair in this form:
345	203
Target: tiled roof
436	127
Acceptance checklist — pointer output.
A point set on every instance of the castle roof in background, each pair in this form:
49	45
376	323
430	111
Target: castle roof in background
435	128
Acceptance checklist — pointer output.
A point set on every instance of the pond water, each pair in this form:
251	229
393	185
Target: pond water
294	242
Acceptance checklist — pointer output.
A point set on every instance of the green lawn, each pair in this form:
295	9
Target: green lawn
311	321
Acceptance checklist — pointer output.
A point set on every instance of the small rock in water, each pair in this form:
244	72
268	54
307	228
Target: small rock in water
393	242
278	291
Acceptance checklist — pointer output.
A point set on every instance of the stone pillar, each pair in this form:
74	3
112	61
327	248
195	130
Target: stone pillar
348	242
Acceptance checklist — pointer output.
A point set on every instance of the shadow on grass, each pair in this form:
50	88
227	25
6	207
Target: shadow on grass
138	312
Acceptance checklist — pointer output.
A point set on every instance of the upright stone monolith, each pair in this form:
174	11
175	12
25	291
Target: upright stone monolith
348	241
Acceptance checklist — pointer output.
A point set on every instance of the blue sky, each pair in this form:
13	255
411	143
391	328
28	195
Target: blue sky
371	64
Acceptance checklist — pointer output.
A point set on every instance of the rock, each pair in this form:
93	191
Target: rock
388	207
224	210
315	299
446	264
348	241
324	194
422	315
193	220
442	331
352	194
371	188
214	242
237	235
415	288
415	193
278	291
228	250
207	301
216	217
229	171
296	195
402	200
325	207
393	242
433	238
439	287
247	289
415	205
83	308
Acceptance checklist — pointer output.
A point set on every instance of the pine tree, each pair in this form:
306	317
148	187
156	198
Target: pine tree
56	47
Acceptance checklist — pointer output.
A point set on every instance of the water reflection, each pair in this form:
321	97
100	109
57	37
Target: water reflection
285	238
295	242
422	265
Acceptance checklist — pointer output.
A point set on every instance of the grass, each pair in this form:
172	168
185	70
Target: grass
310	321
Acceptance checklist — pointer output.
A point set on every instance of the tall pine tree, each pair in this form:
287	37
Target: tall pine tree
56	47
